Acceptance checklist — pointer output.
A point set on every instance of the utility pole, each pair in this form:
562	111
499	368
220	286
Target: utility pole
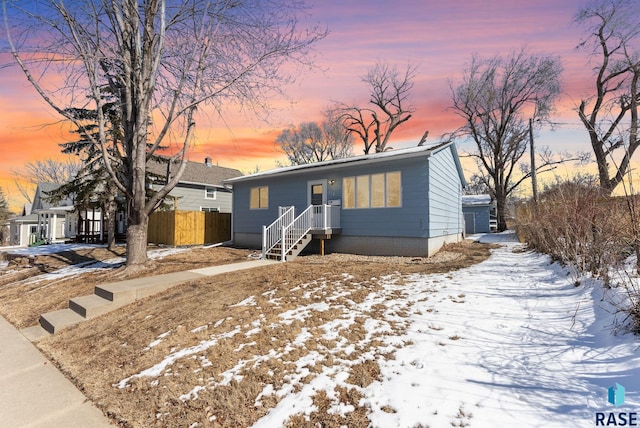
534	180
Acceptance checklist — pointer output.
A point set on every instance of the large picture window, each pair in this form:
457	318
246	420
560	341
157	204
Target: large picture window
382	190
259	198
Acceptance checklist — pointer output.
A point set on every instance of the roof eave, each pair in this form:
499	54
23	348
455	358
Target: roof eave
336	164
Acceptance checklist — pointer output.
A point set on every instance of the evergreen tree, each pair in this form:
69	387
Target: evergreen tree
90	187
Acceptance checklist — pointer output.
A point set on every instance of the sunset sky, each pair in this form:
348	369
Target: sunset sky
438	37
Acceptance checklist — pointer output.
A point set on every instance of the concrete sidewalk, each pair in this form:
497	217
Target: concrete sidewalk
33	393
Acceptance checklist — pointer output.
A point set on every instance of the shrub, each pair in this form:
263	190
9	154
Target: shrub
579	226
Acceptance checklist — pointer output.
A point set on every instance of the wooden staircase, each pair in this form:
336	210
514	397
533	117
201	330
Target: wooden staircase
288	235
275	253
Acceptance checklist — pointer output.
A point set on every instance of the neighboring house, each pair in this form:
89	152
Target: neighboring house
43	221
54	222
23	226
200	188
401	202
479	214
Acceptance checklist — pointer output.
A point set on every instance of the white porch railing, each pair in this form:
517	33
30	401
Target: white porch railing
325	217
292	230
272	234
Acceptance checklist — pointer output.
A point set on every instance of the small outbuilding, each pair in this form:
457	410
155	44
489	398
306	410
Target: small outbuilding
400	202
479	214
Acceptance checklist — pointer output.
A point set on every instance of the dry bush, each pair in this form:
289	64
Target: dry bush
579	226
593	234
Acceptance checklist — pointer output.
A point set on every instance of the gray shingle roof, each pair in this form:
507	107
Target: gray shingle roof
40	198
195	172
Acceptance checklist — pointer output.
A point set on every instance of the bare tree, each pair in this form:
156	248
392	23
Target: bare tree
312	142
388	108
57	171
610	116
496	99
163	60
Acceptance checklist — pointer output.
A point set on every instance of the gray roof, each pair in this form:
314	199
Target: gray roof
195	172
39	200
31	218
476	200
411	152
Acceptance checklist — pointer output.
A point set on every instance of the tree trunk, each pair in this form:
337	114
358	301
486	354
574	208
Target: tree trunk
501	208
137	242
110	214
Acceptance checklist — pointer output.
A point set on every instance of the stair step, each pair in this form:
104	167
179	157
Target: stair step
34	332
57	320
92	306
125	292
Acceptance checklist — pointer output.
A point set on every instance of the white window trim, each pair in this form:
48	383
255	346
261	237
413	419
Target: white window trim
355	191
215	193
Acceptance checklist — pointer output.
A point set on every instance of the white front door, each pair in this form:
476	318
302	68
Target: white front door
317	192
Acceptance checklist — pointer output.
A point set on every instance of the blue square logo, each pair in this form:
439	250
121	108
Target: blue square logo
616	395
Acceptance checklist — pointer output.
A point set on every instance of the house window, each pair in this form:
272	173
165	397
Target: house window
209	193
393	188
372	191
209	209
259	198
349	192
362	191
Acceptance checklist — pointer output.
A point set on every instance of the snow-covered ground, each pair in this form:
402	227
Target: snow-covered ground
534	350
81	268
509	342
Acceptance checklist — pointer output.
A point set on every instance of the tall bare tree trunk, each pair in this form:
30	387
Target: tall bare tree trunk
501	208
137	242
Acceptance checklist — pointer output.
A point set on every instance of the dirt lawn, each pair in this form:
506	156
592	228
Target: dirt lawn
223	351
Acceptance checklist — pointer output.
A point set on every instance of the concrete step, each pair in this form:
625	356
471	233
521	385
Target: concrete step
57	320
92	306
128	291
34	332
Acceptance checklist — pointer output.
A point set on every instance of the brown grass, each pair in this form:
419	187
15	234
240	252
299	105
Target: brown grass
23	299
102	352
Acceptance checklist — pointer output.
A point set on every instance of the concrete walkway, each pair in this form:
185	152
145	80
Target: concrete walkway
33	393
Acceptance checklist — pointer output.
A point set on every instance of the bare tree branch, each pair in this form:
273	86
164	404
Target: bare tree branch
496	98
164	61
610	116
389	93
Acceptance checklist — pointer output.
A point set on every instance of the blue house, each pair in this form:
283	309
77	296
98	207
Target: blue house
401	202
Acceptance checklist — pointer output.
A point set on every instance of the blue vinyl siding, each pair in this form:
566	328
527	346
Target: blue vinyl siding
481	218
406	220
430	197
445	193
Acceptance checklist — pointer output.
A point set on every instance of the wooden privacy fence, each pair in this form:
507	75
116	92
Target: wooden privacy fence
189	227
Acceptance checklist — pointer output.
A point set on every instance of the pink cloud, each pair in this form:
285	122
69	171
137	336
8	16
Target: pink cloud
439	37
